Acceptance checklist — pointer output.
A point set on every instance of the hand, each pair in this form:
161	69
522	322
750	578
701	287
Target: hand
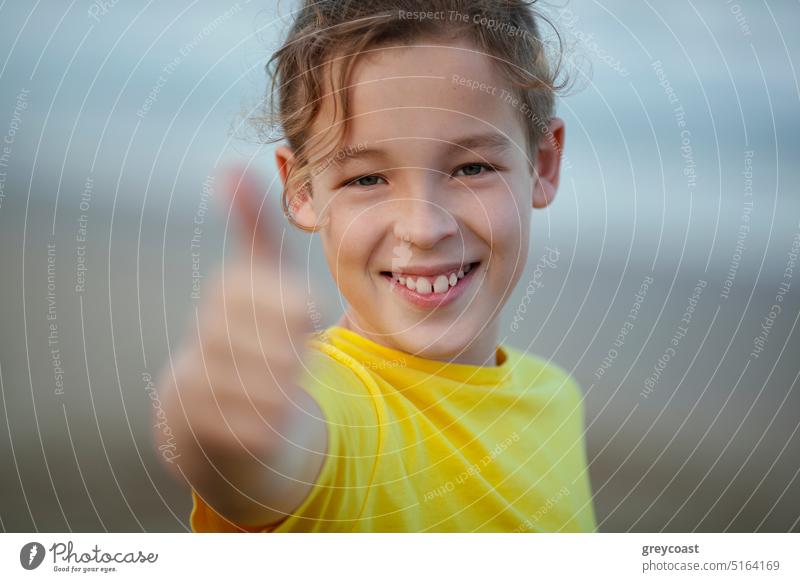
238	417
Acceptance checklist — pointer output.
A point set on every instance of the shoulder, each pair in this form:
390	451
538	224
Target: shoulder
535	371
341	386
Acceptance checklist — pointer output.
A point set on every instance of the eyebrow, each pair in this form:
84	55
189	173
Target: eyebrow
491	141
480	141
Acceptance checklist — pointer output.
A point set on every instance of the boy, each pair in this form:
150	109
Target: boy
415	147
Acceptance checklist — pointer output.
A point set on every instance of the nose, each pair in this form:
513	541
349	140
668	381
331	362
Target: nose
421	219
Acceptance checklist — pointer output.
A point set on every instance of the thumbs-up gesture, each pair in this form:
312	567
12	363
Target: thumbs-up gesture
249	440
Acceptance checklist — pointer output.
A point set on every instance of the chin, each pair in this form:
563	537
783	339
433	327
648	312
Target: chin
435	342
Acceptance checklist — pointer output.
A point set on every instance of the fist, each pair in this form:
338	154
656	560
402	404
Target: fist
231	389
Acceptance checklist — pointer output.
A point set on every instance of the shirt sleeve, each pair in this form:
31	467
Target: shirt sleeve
351	405
583	519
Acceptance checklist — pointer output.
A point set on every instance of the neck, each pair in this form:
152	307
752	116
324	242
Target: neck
480	352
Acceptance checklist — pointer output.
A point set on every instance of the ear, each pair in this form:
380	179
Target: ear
548	164
298	199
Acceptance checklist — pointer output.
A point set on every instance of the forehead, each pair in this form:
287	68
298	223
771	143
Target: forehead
426	91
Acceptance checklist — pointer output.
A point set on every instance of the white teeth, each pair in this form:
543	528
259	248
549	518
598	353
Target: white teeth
423	285
441	284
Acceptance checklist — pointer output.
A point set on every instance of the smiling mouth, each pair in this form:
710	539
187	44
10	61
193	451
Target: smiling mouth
438	284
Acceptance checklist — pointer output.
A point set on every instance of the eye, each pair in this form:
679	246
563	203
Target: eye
365	181
474	169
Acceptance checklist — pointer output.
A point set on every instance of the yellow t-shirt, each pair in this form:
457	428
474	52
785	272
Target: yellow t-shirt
417	445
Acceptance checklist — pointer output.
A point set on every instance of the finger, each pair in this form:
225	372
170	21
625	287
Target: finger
247	196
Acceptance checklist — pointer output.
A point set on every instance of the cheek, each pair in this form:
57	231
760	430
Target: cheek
510	253
503	222
349	239
504	226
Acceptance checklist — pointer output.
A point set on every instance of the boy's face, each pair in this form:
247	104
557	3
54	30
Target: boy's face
426	208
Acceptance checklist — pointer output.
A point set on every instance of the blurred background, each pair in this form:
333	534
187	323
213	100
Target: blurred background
676	231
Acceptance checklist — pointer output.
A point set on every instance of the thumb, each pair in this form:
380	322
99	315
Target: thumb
247	194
